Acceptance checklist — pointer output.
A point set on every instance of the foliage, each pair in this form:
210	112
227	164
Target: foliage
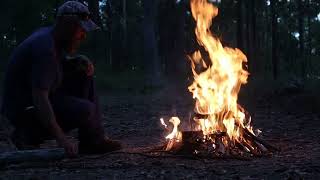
119	45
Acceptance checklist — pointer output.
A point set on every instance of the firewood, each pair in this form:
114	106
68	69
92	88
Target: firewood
220	146
191	136
248	134
242	147
200	116
259	140
261	147
169	145
252	150
32	155
191	141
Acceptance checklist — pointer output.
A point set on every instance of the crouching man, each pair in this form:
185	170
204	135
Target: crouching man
47	93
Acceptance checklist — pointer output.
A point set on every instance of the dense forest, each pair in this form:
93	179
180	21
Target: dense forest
153	38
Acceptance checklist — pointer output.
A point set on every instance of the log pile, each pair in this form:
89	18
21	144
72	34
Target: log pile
219	144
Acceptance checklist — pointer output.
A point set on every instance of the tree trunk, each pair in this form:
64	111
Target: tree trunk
172	36
183	64
151	59
124	14
263	42
239	25
56	5
274	39
254	37
309	48
165	11
301	36
249	14
94	10
118	59
108	33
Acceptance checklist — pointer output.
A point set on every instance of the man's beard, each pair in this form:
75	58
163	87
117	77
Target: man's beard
74	45
71	46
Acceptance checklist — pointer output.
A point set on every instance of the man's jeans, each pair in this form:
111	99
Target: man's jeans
75	105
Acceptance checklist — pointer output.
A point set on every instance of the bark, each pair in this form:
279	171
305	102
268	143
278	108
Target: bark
166	9
172	38
249	14
254	36
124	14
239	25
95	16
179	55
309	42
56	5
94	10
301	36
274	39
108	33
117	33
151	59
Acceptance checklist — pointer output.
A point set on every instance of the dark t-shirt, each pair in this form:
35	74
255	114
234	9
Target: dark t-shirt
33	64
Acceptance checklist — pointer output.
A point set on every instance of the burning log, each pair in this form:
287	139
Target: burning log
263	145
192	137
221	150
242	147
200	116
256	139
191	141
249	146
219	143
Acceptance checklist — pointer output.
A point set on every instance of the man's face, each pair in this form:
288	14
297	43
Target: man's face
78	36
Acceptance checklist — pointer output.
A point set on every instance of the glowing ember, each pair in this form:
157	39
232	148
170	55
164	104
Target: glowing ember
222	121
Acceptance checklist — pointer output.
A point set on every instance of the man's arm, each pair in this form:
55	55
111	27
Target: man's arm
47	118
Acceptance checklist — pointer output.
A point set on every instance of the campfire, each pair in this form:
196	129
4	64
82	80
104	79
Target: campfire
222	126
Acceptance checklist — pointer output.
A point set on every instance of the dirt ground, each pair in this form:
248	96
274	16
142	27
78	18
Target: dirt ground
134	119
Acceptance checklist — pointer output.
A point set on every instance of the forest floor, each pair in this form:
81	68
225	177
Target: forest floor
134	119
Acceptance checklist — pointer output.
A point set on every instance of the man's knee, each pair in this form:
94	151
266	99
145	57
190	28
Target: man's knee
88	110
73	112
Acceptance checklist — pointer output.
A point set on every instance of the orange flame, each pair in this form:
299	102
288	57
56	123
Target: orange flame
216	89
175	132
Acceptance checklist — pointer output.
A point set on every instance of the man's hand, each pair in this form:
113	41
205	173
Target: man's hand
86	65
70	148
47	117
90	69
78	64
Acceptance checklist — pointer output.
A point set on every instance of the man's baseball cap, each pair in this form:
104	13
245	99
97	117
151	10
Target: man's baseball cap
75	8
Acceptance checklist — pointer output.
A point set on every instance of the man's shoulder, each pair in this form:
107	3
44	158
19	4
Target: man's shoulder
38	44
37	47
41	38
